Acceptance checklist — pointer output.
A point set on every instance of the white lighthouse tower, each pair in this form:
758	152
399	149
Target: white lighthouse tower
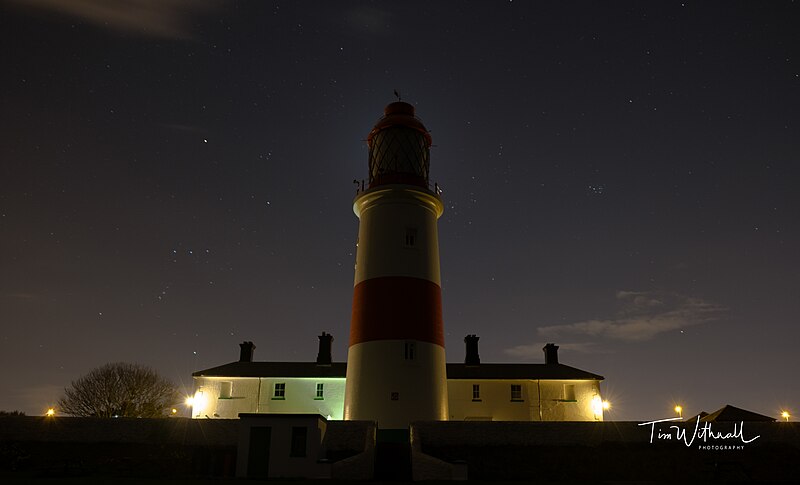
396	370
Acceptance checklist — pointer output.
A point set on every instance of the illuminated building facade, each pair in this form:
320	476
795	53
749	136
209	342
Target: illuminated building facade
475	391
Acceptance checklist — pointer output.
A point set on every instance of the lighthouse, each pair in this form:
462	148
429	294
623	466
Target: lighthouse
396	370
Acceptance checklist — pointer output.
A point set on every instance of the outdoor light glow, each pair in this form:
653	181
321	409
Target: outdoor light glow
52	412
785	415
679	410
606	405
174	411
598	405
198	402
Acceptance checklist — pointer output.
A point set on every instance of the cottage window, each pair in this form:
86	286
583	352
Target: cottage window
320	391
476	392
279	391
225	389
516	392
569	392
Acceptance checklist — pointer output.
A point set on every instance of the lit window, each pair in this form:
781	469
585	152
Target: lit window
476	392
411	237
320	391
410	350
299	438
279	391
516	392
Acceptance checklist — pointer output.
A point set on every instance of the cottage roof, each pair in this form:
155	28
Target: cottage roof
518	371
275	369
454	371
730	413
700	415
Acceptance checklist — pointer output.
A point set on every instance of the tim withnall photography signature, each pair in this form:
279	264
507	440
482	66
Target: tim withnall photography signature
702	433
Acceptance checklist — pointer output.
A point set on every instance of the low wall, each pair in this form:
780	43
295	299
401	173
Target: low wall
63	446
177	447
347	438
612	450
350	446
170	447
184	431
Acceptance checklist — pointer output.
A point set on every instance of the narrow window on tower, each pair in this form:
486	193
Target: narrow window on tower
516	392
411	237
410	351
476	392
279	391
320	391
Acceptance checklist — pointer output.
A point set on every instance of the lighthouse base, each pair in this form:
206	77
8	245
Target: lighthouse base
396	382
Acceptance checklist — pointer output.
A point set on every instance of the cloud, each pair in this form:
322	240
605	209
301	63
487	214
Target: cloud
535	352
643	316
153	18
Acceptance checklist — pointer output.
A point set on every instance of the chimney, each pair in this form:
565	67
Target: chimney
472	357
246	352
550	354
324	354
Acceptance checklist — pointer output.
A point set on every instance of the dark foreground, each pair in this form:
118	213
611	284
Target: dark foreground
122	452
233	481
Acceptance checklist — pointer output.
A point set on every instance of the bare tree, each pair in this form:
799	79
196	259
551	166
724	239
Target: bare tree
119	390
7	414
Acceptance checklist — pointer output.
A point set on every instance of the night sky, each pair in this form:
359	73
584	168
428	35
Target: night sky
620	178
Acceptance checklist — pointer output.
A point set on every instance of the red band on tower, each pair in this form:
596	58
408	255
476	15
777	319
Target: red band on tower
397	308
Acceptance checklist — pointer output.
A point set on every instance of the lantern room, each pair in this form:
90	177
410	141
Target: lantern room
399	148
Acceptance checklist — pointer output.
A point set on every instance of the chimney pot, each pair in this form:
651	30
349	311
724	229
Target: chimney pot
550	354
246	352
472	357
324	354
